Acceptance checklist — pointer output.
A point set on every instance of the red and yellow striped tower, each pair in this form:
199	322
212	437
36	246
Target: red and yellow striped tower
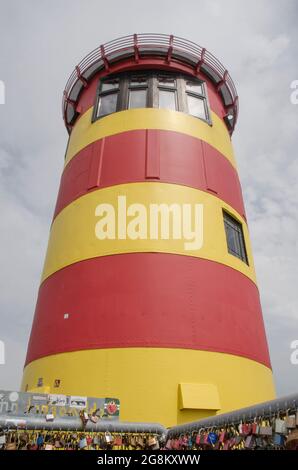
172	329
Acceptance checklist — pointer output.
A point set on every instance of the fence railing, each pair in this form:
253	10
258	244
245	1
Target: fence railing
76	424
268	425
169	47
281	406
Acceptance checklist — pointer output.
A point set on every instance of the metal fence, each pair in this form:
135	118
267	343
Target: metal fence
269	409
280	406
169	47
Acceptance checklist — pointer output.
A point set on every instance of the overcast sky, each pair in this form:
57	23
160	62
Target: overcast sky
40	43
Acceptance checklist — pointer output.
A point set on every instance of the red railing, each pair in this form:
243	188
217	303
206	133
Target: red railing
167	45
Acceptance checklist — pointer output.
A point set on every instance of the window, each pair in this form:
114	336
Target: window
137	99
196	106
167	99
107	104
107	97
152	89
109	85
166	81
194	87
235	237
167	92
137	91
196	101
57	383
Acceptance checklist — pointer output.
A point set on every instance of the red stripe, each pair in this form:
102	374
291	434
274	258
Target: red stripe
149	300
143	155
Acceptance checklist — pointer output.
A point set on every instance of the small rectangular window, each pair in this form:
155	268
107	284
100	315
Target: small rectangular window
235	237
107	104
138	80
166	82
196	106
194	87
137	98
109	85
167	99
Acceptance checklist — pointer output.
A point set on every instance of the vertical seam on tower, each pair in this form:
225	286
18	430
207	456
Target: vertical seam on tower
208	187
204	163
95	165
152	152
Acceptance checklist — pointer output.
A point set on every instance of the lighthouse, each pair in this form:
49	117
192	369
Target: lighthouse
148	291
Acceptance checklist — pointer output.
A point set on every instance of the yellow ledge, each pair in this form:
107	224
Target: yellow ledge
74	234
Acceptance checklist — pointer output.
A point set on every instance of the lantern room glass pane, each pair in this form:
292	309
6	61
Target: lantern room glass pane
138	81
110	85
195	87
107	104
196	106
167	99
137	99
166	81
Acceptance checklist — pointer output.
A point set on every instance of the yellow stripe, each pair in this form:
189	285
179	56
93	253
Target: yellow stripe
85	132
147	380
73	237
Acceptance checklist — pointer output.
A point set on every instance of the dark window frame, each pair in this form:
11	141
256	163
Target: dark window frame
202	96
153	86
136	86
234	225
167	88
101	93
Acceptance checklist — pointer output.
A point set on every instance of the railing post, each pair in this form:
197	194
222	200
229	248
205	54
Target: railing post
80	77
170	49
104	58
136	48
222	81
201	61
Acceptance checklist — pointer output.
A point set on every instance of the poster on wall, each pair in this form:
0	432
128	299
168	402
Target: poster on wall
25	405
57	400
78	402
